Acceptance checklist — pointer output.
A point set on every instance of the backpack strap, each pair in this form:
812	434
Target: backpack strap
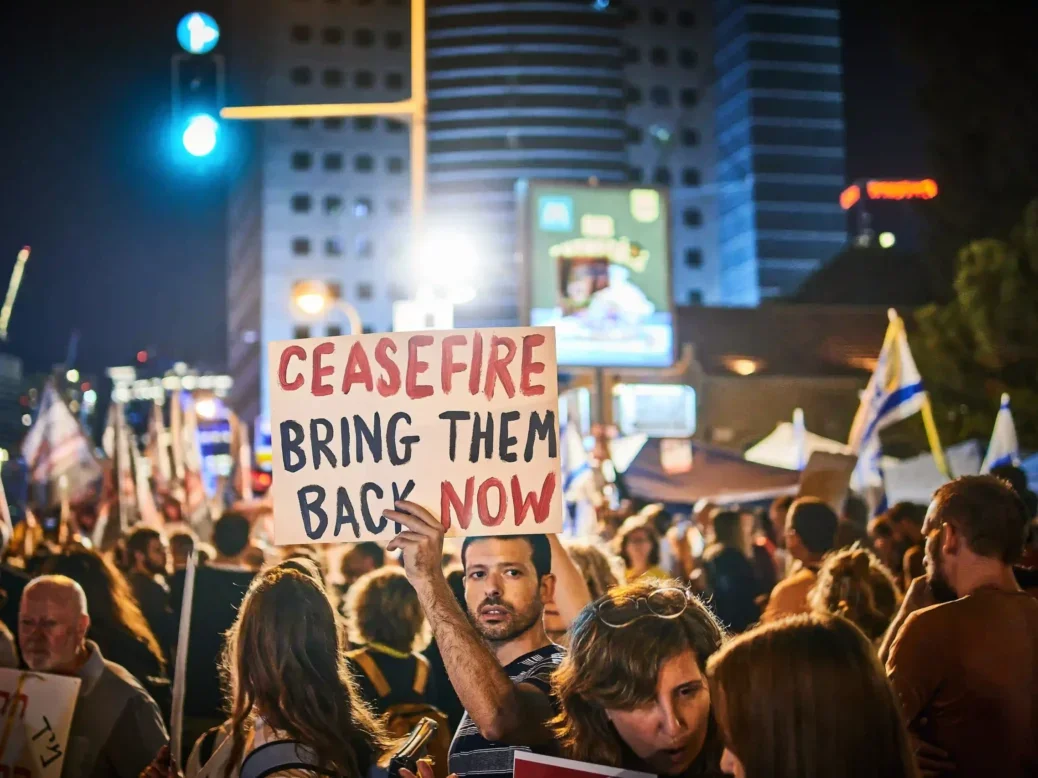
370	669
421	674
280	756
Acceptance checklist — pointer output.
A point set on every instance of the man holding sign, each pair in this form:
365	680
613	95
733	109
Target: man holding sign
500	668
368	429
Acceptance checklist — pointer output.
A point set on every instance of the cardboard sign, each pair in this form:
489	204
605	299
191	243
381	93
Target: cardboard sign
530	765
35	716
676	456
464	422
827	476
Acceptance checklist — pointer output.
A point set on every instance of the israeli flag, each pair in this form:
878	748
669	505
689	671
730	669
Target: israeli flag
1003	449
894	392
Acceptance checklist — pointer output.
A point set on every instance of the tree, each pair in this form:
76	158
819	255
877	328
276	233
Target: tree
984	341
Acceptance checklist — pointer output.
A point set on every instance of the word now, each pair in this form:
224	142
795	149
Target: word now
484	365
472	503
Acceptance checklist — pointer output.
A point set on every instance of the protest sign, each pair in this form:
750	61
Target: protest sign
530	765
827	476
464	422
35	716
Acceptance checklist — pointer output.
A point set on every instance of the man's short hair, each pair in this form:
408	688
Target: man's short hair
372	551
75	591
540	550
911	512
815	524
231	534
989	514
182	541
137	542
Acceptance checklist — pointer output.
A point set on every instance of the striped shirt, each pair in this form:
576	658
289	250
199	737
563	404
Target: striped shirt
472	755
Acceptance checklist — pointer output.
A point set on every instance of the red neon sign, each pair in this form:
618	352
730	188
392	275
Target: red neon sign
902	190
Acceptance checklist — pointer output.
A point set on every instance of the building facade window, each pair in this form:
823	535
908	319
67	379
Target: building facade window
394	81
689	137
692	217
695	297
363	163
333	331
658	17
635	174
394	125
690	177
362	207
688	58
659	56
333	123
301	33
302	124
394	39
365	248
634	134
689	97
333	161
332	247
395	165
686	19
364	291
300	331
332	36
301	75
332	205
364	79
633	95
363	38
693	258
302	160
363	124
632	55
301	203
301	247
662	176
332	77
395	206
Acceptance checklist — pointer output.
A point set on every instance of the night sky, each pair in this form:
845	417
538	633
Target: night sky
128	249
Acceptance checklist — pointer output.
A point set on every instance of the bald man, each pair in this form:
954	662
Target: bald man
117	728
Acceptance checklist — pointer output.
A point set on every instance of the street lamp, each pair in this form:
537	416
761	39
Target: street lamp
314	298
446	262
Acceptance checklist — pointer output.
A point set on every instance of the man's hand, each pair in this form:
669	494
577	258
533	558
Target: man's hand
932	760
421	542
162	766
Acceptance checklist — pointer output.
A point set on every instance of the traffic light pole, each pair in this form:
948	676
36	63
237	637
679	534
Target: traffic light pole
413	110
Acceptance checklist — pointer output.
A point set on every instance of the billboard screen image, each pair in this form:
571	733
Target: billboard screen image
598	263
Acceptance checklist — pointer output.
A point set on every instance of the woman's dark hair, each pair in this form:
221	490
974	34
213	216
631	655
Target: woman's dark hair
284	659
113	608
853	583
728	529
383	607
630	527
806	696
610	667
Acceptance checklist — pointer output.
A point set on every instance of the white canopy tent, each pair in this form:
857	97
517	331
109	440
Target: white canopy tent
779	449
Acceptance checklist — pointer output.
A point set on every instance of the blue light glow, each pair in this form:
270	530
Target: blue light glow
200	135
198	33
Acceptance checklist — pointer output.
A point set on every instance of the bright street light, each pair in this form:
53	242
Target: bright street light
446	263
886	240
200	135
72	376
314	298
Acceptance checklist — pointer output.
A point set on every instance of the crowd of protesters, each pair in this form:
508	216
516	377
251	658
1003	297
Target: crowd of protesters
786	641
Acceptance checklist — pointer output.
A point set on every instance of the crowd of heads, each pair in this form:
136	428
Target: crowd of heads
656	673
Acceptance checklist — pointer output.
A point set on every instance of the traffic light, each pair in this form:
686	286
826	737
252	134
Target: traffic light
198	91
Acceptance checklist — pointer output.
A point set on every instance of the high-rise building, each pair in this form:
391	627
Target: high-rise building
736	107
667	55
780	144
517	91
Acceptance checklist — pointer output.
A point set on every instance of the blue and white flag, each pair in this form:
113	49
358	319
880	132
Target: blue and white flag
894	392
1003	449
56	448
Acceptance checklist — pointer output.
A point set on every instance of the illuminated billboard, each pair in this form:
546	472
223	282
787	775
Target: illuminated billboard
598	270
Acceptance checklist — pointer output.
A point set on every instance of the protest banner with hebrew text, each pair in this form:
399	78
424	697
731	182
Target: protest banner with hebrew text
463	422
35	716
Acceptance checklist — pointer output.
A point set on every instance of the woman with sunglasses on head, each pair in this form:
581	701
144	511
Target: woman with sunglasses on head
632	690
